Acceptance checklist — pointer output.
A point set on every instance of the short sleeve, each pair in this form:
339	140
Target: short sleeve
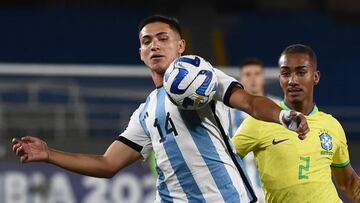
135	136
225	86
246	137
341	156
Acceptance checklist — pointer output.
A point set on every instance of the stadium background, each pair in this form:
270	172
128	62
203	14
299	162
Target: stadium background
70	73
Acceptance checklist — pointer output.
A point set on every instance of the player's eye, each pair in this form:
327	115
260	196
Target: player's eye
145	41
163	38
285	74
302	73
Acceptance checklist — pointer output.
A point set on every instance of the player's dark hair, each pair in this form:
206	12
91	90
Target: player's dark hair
301	49
171	21
251	61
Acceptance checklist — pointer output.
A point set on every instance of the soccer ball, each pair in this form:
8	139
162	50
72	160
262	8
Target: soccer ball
190	82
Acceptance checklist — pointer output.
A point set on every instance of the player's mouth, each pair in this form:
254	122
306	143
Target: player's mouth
294	91
156	57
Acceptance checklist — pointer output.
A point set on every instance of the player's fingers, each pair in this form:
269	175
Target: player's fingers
23	158
293	113
20	151
15	141
28	139
302	124
16	146
301	136
307	129
302	128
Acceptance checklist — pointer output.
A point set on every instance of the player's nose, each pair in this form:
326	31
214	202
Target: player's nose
293	79
155	45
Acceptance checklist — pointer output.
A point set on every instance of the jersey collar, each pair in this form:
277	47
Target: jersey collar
313	111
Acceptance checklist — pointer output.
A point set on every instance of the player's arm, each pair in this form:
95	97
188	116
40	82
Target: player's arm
116	157
347	181
264	109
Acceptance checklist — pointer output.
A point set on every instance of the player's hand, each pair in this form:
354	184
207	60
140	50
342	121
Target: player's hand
30	149
294	121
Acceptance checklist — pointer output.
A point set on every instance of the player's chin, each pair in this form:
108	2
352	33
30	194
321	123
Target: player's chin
158	68
295	98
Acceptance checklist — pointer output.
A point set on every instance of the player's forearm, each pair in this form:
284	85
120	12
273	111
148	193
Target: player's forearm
349	184
265	109
258	107
90	165
354	190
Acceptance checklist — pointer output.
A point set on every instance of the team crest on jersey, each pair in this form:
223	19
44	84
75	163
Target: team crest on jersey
326	142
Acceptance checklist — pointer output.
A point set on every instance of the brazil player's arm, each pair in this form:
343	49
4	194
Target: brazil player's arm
348	182
117	156
345	176
265	109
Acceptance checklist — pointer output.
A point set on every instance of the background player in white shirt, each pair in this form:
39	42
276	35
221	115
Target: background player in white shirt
195	159
253	79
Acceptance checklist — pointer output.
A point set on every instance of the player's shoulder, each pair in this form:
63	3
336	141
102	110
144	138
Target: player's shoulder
144	104
250	119
253	123
329	119
326	116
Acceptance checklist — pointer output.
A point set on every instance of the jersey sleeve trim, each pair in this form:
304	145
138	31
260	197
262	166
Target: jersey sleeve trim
342	165
229	91
130	143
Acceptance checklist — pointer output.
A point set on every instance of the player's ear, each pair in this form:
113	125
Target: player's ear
181	46
317	77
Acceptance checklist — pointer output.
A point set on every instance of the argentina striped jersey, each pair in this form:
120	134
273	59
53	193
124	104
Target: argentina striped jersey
195	159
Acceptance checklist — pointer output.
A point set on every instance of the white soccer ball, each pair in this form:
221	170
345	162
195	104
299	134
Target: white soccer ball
190	82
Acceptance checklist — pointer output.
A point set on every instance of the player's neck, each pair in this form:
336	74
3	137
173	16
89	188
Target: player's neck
157	79
305	107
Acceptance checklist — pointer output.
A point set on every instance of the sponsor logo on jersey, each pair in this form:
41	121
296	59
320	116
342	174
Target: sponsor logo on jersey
275	142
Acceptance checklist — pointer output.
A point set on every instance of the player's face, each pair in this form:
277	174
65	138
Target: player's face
159	46
252	77
298	77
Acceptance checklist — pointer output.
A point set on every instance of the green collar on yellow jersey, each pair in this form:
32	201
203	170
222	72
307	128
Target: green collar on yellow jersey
313	111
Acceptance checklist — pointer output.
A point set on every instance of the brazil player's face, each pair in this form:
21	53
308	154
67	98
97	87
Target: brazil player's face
252	78
159	46
298	75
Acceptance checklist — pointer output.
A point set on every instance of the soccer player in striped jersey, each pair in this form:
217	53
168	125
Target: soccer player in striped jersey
300	171
194	156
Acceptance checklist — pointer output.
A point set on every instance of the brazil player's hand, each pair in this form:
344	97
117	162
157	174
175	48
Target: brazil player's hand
294	121
30	149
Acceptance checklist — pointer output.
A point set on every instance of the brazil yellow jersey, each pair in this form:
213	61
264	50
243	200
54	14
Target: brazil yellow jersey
294	170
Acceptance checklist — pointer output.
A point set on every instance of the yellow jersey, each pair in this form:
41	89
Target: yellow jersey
294	170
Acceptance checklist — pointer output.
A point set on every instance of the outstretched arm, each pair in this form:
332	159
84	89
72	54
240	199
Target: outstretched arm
265	109
116	157
348	182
